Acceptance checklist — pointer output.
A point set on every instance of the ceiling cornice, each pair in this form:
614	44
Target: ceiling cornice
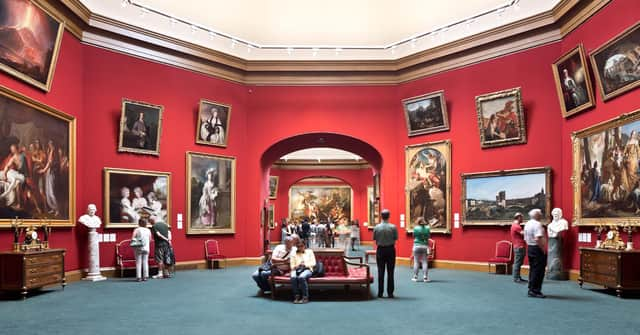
544	28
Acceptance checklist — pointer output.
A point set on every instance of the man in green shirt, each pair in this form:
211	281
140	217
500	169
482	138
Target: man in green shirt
385	234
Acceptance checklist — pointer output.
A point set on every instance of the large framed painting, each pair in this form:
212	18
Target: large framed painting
617	63
213	123
325	202
606	179
38	157
273	187
426	114
30	38
133	194
573	82
428	185
211	194
501	118
373	208
493	198
140	127
271	219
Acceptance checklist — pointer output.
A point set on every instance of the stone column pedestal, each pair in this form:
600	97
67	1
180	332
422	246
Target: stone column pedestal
94	258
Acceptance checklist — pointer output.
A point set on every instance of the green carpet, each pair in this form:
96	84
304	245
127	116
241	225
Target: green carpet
225	301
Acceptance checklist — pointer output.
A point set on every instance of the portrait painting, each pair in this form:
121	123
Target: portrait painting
428	185
573	83
273	187
501	118
140	127
493	198
211	194
426	114
30	41
323	202
37	157
616	64
130	195
271	220
213	123
606	174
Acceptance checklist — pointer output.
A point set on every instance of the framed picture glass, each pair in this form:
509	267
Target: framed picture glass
426	114
140	127
324	202
273	187
501	119
573	82
213	123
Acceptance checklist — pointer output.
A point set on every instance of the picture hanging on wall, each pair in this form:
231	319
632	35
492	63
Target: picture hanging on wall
617	63
211	194
273	187
573	82
213	123
493	198
325	202
501	119
38	150
30	41
133	194
428	185
140	127
606	179
271	216
373	208
426	114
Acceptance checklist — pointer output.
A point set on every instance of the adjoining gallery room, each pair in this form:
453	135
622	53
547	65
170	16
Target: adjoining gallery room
339	167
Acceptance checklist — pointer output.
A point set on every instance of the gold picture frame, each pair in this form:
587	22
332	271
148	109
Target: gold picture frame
271	212
145	191
44	79
323	211
140	127
426	114
373	208
211	194
574	89
48	127
424	172
498	124
603	191
212	130
486	195
273	187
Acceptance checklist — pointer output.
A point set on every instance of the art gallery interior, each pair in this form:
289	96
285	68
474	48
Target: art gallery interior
316	95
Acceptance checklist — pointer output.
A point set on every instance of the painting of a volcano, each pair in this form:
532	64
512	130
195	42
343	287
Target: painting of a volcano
29	42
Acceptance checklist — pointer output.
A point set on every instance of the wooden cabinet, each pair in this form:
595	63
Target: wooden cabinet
26	270
615	269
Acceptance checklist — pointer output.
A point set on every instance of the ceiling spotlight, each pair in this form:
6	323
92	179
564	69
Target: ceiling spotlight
143	12
516	6
125	3
212	35
289	51
500	12
413	43
467	25
194	28
233	44
338	51
393	49
249	48
173	21
315	51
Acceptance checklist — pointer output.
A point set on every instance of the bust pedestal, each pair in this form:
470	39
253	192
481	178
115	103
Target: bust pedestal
555	269
94	258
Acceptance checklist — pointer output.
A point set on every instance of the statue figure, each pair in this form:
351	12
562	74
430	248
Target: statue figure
92	221
555	270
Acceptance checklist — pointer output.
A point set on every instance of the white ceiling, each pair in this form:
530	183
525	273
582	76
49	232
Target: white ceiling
321	154
330	23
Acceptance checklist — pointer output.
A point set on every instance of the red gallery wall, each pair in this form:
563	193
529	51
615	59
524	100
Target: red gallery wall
90	83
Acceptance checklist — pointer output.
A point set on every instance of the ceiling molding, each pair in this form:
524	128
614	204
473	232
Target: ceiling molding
541	29
334	164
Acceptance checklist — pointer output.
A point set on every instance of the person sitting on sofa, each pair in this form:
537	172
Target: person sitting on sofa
302	262
279	255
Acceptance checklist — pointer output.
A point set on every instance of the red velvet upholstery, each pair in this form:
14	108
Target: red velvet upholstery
212	252
126	257
503	255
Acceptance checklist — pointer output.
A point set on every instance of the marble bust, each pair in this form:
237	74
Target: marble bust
92	221
555	269
558	224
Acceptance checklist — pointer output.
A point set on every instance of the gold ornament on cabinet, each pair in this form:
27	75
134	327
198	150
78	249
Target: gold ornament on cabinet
613	240
29	233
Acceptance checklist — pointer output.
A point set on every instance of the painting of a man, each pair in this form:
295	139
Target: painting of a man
141	124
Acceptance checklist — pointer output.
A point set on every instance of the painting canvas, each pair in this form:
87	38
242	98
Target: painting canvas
322	202
373	208
493	198
273	187
428	185
37	150
30	41
133	194
213	123
211	194
271	216
617	63
606	171
140	126
426	114
573	82
500	118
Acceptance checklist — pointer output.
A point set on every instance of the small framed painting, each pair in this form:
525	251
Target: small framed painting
573	83
426	114
501	118
140	127
271	216
273	187
213	123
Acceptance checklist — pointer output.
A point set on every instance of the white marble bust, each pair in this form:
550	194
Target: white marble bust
558	224
90	220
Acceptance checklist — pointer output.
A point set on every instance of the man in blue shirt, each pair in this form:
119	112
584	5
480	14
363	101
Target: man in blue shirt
385	234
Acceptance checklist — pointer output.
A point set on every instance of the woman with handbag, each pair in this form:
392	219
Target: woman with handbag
140	242
302	263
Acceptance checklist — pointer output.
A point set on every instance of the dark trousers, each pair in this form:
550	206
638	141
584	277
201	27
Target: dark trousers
537	264
386	259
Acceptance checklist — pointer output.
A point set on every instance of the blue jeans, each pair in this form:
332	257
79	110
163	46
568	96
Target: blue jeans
299	282
517	263
262	279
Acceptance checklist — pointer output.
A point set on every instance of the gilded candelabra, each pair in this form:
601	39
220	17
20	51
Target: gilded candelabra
629	228
599	229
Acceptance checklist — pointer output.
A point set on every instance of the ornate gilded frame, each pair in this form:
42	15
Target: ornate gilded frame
232	209
522	129
556	75
123	125
503	173
444	147
577	147
322	187
71	144
226	126
273	195
445	117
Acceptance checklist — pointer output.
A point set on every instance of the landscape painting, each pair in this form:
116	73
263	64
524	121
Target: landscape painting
426	114
324	202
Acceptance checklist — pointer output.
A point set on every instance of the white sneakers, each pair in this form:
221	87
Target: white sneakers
424	279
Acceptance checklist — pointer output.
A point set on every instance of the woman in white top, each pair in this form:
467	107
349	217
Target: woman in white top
142	252
302	262
355	234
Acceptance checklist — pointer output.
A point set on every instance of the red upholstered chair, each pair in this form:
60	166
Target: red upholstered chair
126	256
212	253
503	255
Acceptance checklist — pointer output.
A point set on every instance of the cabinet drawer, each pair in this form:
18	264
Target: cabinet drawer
35	260
44	280
37	271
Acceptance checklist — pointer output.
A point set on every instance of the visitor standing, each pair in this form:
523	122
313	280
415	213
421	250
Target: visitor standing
143	234
536	246
517	238
421	235
385	234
